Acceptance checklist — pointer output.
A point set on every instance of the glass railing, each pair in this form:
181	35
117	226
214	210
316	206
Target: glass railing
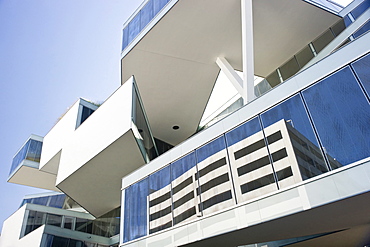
31	151
141	128
141	19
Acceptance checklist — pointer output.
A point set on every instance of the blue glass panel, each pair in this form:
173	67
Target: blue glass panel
40	200
182	165
362	70
146	14
341	115
25	201
158	5
303	140
347	21
125	38
210	149
57	201
20	156
159	179
135	212
362	30
34	151
360	9
243	131
134	28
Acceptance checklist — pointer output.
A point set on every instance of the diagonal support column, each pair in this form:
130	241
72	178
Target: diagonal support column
230	73
247	50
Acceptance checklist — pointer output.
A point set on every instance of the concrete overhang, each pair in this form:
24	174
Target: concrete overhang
174	61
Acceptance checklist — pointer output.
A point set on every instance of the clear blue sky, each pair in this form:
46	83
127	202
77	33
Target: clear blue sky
51	53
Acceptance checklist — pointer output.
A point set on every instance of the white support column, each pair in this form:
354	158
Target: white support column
247	49
230	73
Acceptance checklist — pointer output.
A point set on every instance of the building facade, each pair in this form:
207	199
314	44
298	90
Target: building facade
285	163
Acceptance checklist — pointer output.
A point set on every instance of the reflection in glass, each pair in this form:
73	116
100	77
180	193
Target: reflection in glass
361	68
31	151
215	188
135	216
299	136
361	8
185	202
363	29
160	211
341	115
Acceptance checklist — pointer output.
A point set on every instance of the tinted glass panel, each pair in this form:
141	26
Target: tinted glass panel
341	115
135	222
362	30
302	138
20	156
146	14
338	27
54	220
304	56
273	79
134	28
57	201
360	9
289	68
323	40
362	69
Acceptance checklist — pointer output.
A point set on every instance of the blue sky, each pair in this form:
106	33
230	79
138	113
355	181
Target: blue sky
51	53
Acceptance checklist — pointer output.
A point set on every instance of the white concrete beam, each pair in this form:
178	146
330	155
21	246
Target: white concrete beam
230	73
247	50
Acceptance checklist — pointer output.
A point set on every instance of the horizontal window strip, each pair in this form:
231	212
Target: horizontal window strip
160	199
258	183
254	165
280	154
211	167
183	216
249	149
183	199
182	185
160	214
285	173
274	137
212	183
216	199
160	228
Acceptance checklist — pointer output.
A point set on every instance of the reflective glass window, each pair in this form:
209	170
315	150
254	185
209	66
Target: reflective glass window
347	21
60	242
68	222
249	160
304	56
323	40
296	137
362	30
341	115
20	156
185	202
134	28
57	201
160	206
40	219
289	68
273	79
40	200
361	8
136	208
215	188
362	70
54	220
146	14
86	112
83	225
125	41
76	243
158	5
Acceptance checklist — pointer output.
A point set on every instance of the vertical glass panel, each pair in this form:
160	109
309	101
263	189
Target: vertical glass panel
76	243
134	28
60	242
54	220
362	30
68	222
261	88
158	5
160	211
249	160
338	27
146	14
304	56
57	201
86	112
273	79
83	225
30	222
289	133
20	156
362	70
40	200
323	40
136	205
107	225
341	115
185	202
215	187
40	219
289	68
361	8
125	38
347	21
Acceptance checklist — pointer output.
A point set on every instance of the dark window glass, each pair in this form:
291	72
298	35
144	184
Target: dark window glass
60	242
341	115
304	56
338	27
289	68
135	221
54	220
86	112
301	134
323	40
68	222
160	216
273	79
83	225
30	222
362	30
362	70
40	219
361	8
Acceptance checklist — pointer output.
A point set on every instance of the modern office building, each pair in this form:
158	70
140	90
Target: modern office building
285	163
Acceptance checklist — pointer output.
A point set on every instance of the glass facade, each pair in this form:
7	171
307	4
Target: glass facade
139	22
31	151
56	241
323	127
55	201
